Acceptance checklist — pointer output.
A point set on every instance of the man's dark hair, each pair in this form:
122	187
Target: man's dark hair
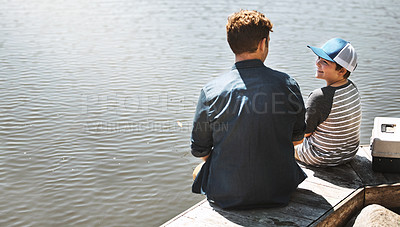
245	29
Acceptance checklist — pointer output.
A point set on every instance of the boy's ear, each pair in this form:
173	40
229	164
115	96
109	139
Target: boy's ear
342	71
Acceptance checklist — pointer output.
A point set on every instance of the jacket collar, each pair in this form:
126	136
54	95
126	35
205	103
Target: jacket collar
252	63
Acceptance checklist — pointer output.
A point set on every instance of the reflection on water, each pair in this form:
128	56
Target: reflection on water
97	97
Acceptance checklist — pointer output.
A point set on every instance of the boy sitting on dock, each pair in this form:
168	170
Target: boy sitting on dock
333	115
245	123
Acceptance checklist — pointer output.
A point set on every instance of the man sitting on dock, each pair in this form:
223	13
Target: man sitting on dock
333	116
245	124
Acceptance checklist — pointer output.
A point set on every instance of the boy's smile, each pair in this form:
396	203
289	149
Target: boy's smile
326	70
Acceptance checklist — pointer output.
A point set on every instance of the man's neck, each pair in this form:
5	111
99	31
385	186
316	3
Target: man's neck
248	56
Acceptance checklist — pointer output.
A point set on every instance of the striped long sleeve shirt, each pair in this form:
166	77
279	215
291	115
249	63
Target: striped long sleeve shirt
333	117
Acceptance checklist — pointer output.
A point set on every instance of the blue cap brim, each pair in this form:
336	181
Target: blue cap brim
321	53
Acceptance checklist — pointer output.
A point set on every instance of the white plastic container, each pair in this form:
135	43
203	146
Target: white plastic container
385	144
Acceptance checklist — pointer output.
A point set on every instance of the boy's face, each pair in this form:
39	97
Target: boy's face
326	70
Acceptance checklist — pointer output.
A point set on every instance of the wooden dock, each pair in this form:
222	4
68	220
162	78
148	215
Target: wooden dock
328	197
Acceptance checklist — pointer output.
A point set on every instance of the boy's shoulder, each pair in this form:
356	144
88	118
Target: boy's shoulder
323	91
322	95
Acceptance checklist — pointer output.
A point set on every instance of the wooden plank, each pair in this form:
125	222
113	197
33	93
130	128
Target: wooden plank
341	214
329	196
184	222
179	216
342	176
205	215
385	195
305	207
210	217
392	178
310	198
333	195
302	214
299	216
314	197
363	167
365	151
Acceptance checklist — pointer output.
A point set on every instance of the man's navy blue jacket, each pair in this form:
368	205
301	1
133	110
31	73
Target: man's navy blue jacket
247	119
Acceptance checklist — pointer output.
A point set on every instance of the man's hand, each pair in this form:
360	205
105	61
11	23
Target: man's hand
301	141
297	142
205	157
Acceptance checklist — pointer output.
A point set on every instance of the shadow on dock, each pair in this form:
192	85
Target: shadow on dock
312	206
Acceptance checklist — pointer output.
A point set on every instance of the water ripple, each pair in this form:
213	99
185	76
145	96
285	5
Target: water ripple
97	98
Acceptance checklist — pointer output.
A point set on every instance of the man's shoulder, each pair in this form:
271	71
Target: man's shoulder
233	80
219	84
283	77
223	78
277	73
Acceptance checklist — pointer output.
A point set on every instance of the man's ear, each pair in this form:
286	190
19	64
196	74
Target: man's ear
262	44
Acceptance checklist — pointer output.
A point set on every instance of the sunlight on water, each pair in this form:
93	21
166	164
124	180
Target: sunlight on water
97	97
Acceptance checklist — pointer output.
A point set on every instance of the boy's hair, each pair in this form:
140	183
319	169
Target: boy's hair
339	67
245	29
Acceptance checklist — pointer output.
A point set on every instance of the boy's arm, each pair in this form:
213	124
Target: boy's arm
318	107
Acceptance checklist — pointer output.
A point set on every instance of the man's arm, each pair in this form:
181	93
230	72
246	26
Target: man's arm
202	142
297	142
298	108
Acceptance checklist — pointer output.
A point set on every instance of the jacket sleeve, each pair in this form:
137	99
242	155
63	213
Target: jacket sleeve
296	99
201	139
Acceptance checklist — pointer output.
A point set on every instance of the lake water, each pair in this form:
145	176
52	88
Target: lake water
97	97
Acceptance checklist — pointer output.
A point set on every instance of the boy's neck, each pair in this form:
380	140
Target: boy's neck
337	83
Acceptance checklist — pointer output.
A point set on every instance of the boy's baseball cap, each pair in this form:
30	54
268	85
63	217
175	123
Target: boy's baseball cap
339	51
